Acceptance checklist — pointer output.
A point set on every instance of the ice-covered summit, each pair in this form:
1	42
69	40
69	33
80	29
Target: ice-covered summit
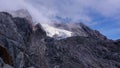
56	32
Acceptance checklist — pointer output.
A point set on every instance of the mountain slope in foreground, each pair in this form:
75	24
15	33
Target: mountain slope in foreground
23	45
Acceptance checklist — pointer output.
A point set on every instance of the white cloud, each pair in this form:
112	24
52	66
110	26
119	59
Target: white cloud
6	5
77	10
39	15
108	7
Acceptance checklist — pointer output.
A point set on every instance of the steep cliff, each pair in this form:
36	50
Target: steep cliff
23	45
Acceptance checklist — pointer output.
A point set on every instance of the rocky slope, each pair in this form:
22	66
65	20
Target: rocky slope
79	29
23	45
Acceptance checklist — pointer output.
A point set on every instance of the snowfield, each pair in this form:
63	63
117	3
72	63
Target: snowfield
56	32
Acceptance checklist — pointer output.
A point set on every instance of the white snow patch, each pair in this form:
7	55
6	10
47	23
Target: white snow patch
56	32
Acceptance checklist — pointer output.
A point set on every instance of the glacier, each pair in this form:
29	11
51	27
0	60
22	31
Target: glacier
56	32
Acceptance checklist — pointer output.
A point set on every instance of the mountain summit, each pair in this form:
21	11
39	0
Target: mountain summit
61	30
27	45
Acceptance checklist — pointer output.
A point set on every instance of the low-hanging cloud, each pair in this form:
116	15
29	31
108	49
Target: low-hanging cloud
77	10
39	15
80	10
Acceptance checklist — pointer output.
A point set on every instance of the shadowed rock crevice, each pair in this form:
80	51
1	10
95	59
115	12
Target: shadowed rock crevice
5	56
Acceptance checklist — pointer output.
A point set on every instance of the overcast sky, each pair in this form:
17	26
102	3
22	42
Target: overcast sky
103	15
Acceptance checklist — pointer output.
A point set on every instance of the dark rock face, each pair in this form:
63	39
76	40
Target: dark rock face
12	38
25	46
24	27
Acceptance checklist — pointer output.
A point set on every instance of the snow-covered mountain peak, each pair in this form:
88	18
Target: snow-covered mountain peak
50	30
56	32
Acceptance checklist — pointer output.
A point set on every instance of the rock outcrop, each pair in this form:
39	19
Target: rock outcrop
25	46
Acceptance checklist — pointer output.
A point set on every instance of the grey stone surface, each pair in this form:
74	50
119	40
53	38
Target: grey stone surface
27	46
